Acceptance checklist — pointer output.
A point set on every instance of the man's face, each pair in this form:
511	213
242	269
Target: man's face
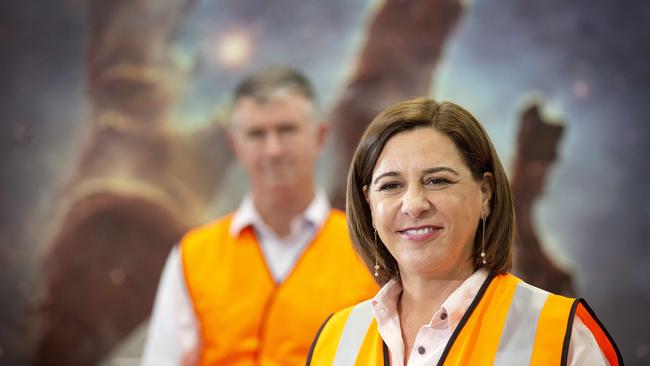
277	142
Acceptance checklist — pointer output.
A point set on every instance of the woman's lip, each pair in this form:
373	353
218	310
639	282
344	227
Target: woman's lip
420	233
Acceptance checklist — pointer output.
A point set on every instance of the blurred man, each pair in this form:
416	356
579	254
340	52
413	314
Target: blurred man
253	287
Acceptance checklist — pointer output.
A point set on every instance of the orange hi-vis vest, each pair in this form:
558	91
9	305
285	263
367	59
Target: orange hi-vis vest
509	323
245	317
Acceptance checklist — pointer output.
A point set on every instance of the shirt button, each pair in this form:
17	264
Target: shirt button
443	316
421	350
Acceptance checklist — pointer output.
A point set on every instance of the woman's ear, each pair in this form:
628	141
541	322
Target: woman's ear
365	193
486	187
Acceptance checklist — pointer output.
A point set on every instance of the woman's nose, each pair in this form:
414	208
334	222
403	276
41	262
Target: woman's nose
415	203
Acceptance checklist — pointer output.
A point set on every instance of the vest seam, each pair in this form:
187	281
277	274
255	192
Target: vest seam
386	353
568	333
465	318
313	344
263	322
619	356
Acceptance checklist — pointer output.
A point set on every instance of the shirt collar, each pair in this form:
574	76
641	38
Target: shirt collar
384	304
247	215
459	301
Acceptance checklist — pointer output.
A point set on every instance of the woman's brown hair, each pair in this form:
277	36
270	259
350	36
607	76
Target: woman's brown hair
478	153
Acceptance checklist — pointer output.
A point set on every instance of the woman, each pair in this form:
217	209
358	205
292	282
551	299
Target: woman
430	212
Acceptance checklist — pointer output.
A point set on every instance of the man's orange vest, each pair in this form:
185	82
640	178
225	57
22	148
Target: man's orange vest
245	317
508	323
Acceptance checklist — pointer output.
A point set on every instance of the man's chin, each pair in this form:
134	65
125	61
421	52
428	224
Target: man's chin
280	187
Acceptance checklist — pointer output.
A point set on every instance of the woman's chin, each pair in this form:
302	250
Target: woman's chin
434	269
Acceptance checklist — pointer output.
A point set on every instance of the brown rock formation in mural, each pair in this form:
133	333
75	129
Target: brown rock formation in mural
138	186
404	42
537	144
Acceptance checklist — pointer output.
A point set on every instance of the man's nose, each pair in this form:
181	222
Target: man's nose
273	144
415	203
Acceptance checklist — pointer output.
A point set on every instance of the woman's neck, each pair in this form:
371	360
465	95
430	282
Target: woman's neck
421	297
420	293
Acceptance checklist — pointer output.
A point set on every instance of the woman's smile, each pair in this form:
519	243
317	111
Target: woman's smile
420	233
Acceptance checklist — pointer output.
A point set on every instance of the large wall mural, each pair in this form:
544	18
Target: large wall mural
113	142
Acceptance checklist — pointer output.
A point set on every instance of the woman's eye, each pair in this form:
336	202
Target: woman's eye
437	182
389	186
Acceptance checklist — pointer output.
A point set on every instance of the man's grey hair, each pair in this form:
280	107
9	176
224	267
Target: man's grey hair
270	81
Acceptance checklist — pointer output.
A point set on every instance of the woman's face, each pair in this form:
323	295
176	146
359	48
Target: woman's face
426	204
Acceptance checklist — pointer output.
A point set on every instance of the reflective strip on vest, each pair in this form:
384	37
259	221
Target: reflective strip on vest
354	332
520	328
